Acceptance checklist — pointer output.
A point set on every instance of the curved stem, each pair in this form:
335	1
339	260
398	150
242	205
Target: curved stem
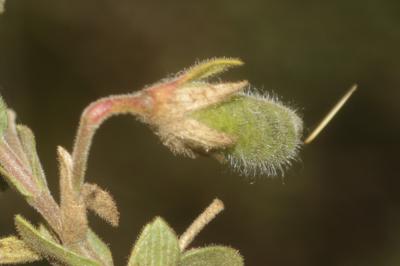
91	119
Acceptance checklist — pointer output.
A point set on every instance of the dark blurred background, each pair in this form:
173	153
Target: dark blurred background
338	205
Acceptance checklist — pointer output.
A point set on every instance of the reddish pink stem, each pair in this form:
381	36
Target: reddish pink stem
92	118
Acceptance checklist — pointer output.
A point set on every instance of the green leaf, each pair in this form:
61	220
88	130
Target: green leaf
3	106
15	251
100	248
47	248
157	245
212	256
28	143
209	68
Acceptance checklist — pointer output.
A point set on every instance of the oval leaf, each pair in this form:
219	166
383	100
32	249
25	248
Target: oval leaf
212	256
101	202
157	245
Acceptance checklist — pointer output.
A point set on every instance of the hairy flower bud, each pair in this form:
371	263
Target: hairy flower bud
255	134
267	133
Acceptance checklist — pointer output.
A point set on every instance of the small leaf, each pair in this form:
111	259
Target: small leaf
101	202
212	256
100	248
157	245
28	142
48	248
3	106
208	68
15	251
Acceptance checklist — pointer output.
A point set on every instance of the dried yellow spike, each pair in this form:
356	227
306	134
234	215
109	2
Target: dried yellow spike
335	109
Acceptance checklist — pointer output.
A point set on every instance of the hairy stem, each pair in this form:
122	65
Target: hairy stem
49	209
73	207
92	118
205	218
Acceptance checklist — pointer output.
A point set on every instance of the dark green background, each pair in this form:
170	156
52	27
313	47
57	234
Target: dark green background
339	204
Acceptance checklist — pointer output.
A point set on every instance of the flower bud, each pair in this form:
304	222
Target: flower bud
267	134
255	134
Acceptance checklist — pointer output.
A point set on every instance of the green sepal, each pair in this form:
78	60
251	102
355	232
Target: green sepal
47	248
28	143
15	251
3	109
212	256
157	245
209	68
100	248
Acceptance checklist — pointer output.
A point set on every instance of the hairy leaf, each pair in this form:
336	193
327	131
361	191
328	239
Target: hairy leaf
14	182
12	138
15	251
212	256
47	248
157	245
28	142
100	248
101	202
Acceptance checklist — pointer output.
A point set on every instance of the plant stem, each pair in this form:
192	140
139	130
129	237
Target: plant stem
45	204
91	119
205	218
